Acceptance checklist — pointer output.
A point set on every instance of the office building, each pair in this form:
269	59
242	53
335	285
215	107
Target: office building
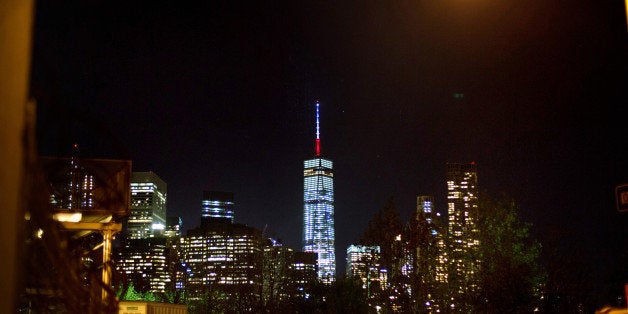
147	217
222	256
144	262
76	191
318	216
363	262
303	273
217	205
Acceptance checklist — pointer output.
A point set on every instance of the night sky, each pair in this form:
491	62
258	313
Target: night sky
220	96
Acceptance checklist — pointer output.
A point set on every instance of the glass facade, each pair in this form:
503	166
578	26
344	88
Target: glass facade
318	224
217	205
147	217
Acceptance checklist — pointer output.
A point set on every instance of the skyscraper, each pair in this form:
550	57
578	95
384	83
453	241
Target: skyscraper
431	256
148	206
318	212
217	205
462	209
425	205
226	257
145	263
363	262
77	192
303	273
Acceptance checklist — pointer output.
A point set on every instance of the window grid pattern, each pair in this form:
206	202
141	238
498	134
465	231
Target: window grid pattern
462	209
318	224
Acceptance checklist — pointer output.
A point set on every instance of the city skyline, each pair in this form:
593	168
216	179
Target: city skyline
220	98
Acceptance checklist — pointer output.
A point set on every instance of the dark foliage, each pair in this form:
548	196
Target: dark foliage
511	279
382	231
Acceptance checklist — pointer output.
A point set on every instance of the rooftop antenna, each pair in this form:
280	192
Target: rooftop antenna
318	131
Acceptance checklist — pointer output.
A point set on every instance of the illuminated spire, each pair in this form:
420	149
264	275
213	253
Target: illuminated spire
318	131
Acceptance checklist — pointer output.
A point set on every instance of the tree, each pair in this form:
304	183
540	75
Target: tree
130	294
345	295
382	230
386	230
510	278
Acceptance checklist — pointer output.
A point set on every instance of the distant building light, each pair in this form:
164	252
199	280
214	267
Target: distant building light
158	226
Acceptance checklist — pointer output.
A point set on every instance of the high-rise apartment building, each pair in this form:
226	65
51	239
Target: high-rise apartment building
318	216
147	217
462	210
217	205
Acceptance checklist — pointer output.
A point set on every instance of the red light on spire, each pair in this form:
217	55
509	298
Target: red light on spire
318	147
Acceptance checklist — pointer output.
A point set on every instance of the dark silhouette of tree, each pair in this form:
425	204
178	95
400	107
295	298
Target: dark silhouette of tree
510	277
568	288
346	295
386	230
382	230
